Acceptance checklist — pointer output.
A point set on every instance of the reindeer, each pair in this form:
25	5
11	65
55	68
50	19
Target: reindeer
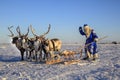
51	46
20	41
47	45
38	40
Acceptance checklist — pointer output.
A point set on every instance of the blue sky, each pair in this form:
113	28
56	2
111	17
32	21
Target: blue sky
65	17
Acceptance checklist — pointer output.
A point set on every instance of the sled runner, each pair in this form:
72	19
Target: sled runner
82	62
71	62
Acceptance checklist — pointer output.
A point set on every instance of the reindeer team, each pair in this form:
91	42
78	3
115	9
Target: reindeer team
38	47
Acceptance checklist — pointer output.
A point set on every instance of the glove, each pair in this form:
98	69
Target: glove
80	28
96	39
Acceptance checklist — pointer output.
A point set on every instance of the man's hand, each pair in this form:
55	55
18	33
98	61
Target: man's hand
96	39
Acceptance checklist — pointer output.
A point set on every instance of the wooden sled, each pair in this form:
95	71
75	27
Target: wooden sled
53	61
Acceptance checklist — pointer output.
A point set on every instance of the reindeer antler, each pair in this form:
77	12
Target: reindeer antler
47	31
32	30
10	31
18	30
27	33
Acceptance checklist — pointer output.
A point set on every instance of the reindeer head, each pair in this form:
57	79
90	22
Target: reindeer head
40	38
23	37
20	39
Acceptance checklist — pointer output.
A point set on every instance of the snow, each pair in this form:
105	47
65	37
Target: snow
108	68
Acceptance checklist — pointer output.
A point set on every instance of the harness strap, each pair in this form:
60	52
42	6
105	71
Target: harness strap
53	45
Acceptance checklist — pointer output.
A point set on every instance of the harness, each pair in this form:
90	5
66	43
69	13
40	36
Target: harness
53	45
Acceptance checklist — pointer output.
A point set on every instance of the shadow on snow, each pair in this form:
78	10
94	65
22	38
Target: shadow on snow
8	58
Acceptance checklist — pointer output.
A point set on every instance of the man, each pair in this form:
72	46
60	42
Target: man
90	45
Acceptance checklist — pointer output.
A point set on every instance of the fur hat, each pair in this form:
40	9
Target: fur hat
85	24
87	30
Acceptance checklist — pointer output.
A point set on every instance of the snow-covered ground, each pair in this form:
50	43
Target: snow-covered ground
108	68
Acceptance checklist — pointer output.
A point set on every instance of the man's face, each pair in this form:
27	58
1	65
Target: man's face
87	30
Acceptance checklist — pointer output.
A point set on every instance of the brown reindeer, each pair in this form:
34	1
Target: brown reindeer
51	46
19	41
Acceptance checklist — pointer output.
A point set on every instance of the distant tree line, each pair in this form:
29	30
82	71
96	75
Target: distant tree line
113	42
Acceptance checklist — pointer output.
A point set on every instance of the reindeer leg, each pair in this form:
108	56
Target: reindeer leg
30	55
40	55
36	56
22	54
26	54
45	54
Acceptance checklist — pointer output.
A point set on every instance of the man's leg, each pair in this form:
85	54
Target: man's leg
95	54
87	53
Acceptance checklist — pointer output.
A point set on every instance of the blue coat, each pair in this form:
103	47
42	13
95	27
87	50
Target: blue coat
93	46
